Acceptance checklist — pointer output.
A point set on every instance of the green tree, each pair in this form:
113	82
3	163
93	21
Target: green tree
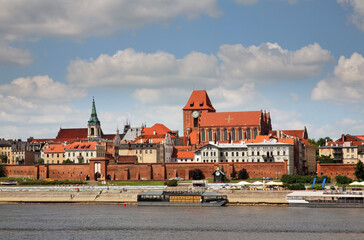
4	158
359	170
322	141
40	161
243	174
196	174
2	171
324	159
67	161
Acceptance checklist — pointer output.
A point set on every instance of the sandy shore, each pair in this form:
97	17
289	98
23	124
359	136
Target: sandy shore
235	197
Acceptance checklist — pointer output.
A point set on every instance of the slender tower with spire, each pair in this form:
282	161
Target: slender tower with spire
94	126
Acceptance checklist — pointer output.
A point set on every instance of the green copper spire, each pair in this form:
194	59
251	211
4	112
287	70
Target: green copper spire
93	119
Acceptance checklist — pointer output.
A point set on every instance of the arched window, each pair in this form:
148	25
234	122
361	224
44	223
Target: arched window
225	135
210	135
218	135
255	133
240	134
233	134
203	137
92	131
248	136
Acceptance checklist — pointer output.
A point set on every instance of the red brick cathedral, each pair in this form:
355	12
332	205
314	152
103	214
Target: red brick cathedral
201	122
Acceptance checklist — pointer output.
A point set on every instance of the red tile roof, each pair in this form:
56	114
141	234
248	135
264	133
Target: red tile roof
156	129
199	100
251	118
71	134
55	148
180	154
81	146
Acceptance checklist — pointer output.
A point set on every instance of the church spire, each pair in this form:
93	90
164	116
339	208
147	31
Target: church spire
93	119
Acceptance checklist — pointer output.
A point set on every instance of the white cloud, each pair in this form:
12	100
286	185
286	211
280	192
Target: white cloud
247	2
245	97
357	16
233	65
127	68
41	88
347	84
85	18
24	118
14	56
161	95
251	2
269	61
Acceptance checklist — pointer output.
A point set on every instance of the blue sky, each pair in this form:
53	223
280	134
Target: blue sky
302	60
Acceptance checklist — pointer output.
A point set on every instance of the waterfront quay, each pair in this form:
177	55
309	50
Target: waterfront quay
122	195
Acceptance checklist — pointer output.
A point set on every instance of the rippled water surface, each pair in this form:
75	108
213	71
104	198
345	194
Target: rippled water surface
57	221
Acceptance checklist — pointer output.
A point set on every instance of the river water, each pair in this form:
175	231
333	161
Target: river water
62	221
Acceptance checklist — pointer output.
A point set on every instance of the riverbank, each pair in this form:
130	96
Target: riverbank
129	197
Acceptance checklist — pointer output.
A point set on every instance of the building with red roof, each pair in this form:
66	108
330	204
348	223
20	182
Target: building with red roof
201	122
349	149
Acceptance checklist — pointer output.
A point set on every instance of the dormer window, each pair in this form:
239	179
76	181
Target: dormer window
192	104
201	104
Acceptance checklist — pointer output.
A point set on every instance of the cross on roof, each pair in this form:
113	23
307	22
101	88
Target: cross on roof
229	118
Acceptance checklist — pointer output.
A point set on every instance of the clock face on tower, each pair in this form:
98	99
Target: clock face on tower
195	114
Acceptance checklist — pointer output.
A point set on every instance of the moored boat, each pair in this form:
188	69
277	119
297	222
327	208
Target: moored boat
181	198
350	199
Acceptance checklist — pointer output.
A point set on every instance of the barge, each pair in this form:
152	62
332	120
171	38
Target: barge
326	199
181	198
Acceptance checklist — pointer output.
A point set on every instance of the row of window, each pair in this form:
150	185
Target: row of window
146	151
228	134
237	160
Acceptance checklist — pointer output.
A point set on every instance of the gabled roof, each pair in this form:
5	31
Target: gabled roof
82	146
156	129
183	154
71	134
55	148
199	100
251	118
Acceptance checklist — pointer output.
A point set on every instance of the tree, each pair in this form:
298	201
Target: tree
243	174
359	170
2	171
4	158
67	161
40	161
324	159
196	174
322	141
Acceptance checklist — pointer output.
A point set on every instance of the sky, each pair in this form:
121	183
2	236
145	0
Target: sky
301	60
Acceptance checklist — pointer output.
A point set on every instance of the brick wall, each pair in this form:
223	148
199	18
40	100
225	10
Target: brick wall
333	169
21	171
156	171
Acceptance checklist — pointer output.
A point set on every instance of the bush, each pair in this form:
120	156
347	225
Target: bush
289	179
243	174
343	179
196	174
171	183
316	187
43	182
295	186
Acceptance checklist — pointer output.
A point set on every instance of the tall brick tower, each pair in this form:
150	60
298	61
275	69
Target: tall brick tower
198	103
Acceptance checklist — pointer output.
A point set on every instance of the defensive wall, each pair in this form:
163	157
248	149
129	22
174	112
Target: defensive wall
157	171
333	169
161	171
